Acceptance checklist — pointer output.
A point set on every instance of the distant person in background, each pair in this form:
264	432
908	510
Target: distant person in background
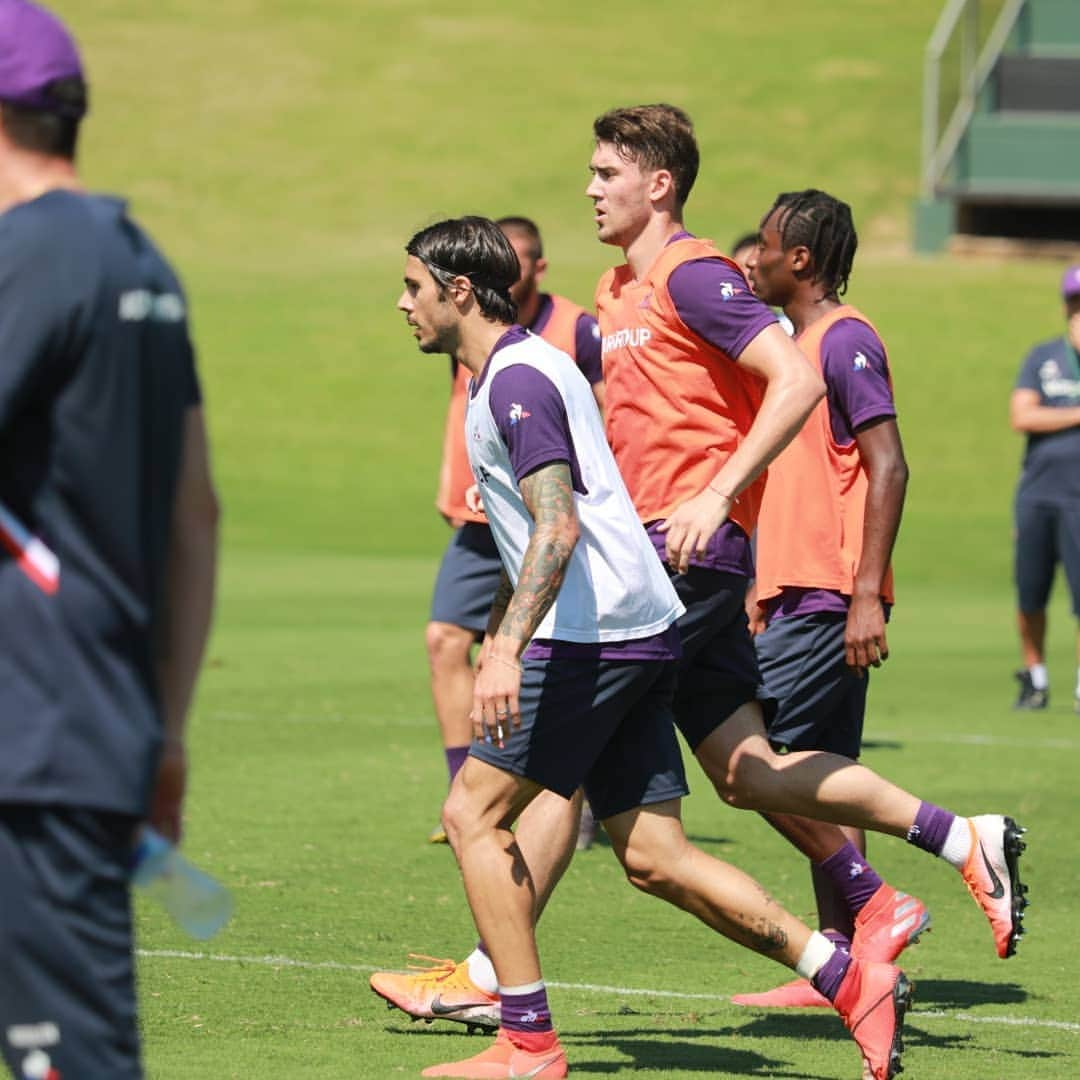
741	251
1045	406
108	524
829	519
469	572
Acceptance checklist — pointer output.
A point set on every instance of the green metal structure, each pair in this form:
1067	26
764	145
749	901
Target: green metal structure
1001	123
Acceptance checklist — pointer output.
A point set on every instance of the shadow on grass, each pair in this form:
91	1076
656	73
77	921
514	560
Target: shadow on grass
708	841
707	1048
963	993
882	744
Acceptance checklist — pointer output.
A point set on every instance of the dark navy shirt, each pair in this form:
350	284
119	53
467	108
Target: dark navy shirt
1051	470
96	375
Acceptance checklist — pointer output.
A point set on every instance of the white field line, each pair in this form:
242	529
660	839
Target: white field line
870	735
617	991
960	739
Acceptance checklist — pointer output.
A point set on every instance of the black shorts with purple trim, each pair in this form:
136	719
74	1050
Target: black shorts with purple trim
604	724
468	577
718	672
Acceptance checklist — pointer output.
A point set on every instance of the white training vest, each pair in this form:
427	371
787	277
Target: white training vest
616	588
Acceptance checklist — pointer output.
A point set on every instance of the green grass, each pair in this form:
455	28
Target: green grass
317	776
282	153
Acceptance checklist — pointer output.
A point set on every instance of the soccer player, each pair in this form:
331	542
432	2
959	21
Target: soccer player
469	572
576	671
1045	406
108	522
829	519
703	389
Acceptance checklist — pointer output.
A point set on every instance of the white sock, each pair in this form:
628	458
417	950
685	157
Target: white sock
957	844
818	950
1039	679
481	970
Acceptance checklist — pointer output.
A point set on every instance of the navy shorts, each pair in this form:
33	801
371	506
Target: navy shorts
602	723
821	701
718	671
467	579
1046	535
67	990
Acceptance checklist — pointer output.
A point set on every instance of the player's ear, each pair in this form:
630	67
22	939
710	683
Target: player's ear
459	288
540	268
661	186
799	258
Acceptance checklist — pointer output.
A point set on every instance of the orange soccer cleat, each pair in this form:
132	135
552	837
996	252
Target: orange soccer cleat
872	1001
888	923
504	1060
797	994
992	875
443	991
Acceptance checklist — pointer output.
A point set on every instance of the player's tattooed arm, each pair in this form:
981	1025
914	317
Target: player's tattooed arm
500	603
548	494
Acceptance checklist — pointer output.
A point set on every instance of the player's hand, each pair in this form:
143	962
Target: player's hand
473	500
167	802
691	526
865	644
496	689
755	615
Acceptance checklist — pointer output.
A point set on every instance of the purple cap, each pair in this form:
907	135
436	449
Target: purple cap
1070	282
35	50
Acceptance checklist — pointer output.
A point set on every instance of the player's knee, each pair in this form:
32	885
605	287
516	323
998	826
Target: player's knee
745	777
649	869
457	818
447	645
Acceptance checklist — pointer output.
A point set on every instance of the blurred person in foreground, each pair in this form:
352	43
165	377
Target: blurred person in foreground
1045	406
470	568
576	674
108	525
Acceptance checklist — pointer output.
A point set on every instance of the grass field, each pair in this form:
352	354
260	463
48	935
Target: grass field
282	152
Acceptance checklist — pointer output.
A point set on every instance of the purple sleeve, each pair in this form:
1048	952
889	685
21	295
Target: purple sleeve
587	344
531	417
714	300
856	374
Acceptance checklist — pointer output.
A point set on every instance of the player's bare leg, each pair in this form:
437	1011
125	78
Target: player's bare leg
749	774
449	651
871	997
483	804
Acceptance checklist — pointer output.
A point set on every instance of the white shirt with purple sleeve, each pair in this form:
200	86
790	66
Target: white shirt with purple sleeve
531	406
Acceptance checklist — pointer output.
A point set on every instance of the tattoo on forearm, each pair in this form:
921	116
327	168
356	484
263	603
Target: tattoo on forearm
549	498
500	603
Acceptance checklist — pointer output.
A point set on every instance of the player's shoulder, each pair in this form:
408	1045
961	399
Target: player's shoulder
1045	350
852	331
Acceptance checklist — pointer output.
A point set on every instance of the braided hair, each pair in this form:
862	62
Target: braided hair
823	224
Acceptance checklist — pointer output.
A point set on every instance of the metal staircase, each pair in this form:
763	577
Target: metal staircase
1001	123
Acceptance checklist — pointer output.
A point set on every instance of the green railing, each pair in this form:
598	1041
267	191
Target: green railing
961	53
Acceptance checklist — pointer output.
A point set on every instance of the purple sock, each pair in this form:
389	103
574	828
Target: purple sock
841	941
931	828
831	974
455	758
526	1012
852	875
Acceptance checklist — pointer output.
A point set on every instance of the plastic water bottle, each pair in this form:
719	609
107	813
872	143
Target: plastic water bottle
198	903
